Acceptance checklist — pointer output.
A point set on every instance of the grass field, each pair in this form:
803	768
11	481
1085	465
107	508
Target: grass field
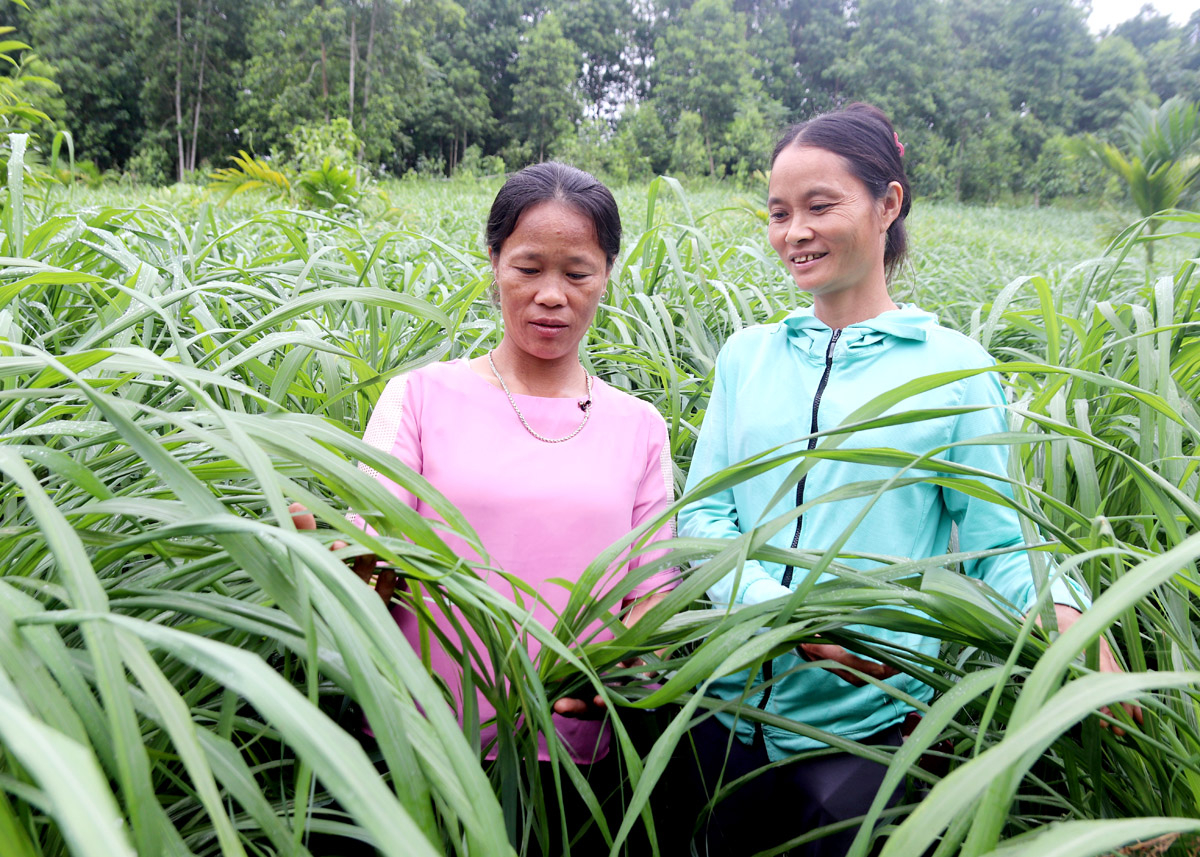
179	659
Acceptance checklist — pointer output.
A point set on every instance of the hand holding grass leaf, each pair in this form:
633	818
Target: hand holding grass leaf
597	707
838	654
1065	617
364	565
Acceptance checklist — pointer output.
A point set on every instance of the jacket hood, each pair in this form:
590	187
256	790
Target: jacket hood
811	335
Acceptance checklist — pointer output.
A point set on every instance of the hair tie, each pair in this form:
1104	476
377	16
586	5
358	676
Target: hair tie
899	145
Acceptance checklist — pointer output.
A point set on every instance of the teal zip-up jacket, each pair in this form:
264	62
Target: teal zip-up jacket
773	384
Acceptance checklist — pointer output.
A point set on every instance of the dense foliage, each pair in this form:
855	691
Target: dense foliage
177	656
985	92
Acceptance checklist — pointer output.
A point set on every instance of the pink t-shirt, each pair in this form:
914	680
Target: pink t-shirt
543	511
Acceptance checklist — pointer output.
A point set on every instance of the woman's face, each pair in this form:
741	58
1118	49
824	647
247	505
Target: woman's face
550	273
826	226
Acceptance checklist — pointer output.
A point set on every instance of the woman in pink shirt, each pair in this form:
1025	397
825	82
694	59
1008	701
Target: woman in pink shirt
548	464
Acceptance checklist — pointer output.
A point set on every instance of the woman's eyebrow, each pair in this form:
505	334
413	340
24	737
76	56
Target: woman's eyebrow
575	259
819	190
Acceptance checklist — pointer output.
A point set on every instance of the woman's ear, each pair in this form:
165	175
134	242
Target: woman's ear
494	288
892	202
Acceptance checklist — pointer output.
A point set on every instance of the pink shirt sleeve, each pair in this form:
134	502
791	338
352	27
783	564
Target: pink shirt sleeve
654	495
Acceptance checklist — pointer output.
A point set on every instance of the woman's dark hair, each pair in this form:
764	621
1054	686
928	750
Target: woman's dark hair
552	180
863	136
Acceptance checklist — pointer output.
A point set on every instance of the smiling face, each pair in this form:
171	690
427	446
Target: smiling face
827	227
550	272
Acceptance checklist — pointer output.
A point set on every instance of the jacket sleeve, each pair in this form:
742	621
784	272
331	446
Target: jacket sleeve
983	525
716	516
655	493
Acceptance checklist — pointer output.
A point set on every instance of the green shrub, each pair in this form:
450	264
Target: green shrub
688	157
315	144
642	142
150	164
328	187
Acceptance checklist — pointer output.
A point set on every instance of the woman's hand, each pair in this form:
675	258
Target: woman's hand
1065	617
829	652
581	708
363	566
594	709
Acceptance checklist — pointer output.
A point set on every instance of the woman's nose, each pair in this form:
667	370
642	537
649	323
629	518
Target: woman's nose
798	230
551	291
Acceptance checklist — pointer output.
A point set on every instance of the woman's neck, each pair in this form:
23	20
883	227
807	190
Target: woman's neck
527	375
843	308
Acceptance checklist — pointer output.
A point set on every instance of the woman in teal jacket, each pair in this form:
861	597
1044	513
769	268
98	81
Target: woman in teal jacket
837	200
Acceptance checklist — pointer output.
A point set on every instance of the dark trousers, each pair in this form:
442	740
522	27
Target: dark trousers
604	778
609	780
778	805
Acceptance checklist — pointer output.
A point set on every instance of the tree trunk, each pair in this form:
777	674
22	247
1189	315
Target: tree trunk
958	168
366	98
353	61
199	88
324	69
182	163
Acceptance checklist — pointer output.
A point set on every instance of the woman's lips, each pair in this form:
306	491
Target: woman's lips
548	327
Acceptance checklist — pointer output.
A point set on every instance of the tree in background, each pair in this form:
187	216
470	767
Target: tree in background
1045	44
703	67
1172	54
1111	82
92	54
977	126
286	77
642	141
980	90
29	99
602	31
545	101
187	52
688	155
592	148
1060	173
750	138
772	53
888	64
455	112
362	60
897	58
489	42
1159	160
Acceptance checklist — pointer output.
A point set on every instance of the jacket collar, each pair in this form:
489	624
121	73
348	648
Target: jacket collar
811	335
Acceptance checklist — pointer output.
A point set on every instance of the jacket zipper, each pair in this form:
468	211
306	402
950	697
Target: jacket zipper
768	668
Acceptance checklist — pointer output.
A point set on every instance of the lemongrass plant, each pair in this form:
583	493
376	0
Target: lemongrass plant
184	670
